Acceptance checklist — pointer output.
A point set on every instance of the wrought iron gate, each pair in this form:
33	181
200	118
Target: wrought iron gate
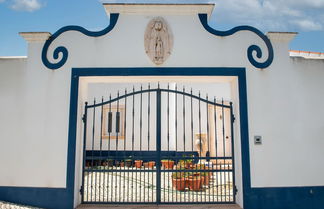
158	145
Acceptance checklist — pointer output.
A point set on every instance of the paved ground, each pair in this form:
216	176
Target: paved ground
6	205
141	187
160	207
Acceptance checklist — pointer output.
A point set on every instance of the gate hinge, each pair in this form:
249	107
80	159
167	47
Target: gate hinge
83	118
81	190
235	190
233	118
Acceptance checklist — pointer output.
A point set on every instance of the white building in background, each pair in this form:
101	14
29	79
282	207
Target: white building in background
277	98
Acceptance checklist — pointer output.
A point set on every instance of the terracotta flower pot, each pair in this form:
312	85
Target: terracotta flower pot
194	183
205	180
179	184
167	164
138	163
128	163
151	164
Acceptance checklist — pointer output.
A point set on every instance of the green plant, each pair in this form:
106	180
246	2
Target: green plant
177	175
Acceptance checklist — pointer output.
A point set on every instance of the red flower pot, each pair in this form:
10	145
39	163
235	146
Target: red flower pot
138	163
167	164
194	183
179	184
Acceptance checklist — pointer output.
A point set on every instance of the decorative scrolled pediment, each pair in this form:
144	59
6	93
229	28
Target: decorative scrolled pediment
251	49
63	50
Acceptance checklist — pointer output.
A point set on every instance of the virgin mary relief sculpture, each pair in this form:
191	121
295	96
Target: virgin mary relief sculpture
158	40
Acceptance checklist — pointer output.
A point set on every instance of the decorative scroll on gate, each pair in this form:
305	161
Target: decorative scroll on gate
158	145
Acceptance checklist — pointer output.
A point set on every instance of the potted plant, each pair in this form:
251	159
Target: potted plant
205	178
129	162
194	182
149	164
109	162
179	181
138	163
167	164
117	163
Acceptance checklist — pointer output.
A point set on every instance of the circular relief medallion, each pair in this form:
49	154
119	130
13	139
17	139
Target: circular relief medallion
158	40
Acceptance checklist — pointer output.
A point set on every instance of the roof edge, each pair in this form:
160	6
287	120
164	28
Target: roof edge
159	9
35	36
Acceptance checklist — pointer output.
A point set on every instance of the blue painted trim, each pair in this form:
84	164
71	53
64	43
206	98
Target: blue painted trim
62	50
51	198
251	49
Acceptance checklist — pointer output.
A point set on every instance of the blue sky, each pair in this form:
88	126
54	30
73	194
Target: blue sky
303	16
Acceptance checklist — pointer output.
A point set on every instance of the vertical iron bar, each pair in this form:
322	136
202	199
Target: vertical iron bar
224	147
176	128
133	127
116	143
100	158
141	143
109	153
85	117
93	133
158	144
192	133
148	136
216	155
200	138
125	140
232	154
184	128
168	137
207	120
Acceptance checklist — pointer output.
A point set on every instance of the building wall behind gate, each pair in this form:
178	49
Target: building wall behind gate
284	103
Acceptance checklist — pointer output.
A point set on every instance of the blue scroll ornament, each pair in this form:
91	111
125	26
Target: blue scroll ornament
63	50
251	49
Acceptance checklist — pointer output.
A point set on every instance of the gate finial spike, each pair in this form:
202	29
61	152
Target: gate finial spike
94	100
168	86
184	89
191	91
102	99
125	90
149	85
141	87
176	87
207	96
158	85
133	88
110	96
118	93
199	93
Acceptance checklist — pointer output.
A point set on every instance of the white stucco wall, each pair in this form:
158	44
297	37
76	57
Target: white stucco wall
285	109
284	101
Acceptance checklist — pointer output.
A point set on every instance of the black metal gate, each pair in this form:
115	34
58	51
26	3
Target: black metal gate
158	145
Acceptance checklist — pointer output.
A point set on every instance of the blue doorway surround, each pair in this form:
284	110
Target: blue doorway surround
160	72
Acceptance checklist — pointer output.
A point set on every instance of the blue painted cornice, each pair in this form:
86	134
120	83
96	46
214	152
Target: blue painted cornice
251	49
63	50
